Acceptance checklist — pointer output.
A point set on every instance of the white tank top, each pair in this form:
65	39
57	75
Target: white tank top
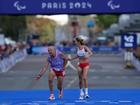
81	52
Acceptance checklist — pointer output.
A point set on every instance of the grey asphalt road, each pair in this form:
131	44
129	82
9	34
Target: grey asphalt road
107	71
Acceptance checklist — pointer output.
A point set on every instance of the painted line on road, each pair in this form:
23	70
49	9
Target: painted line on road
137	77
71	82
95	77
124	77
125	101
109	77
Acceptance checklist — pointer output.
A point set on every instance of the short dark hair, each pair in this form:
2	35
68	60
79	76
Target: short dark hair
51	44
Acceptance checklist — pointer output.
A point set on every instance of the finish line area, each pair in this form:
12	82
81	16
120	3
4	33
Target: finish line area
97	97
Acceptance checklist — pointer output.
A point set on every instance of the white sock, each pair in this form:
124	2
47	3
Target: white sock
81	92
86	90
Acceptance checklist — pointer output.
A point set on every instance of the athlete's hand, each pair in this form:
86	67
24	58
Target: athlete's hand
38	77
67	58
64	73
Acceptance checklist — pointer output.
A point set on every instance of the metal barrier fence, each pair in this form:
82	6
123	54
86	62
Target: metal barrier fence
8	62
136	63
129	57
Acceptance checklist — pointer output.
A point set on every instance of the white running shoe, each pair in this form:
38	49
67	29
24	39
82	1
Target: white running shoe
86	96
52	97
81	97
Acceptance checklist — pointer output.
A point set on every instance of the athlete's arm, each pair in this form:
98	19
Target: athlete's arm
65	60
43	70
76	57
90	53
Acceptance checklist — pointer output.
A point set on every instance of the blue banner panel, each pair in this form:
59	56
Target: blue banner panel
128	40
72	50
106	49
68	6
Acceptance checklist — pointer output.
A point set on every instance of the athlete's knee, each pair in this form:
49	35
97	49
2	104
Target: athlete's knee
84	77
50	81
80	77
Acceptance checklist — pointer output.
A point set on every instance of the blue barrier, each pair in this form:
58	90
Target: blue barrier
105	49
39	50
96	49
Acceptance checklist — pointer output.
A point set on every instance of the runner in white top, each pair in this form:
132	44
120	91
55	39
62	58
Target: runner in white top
83	54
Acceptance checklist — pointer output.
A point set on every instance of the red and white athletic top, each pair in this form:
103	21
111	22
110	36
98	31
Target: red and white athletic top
82	52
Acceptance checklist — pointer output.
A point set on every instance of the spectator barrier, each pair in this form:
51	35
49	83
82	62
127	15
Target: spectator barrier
95	49
8	62
136	63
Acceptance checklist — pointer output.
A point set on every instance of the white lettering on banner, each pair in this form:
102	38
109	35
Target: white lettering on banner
49	5
77	5
89	5
54	5
128	44
71	6
18	6
65	5
44	5
83	4
129	40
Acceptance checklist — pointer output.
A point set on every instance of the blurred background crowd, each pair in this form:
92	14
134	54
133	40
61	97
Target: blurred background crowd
19	32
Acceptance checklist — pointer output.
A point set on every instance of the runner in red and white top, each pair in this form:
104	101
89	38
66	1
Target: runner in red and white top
83	54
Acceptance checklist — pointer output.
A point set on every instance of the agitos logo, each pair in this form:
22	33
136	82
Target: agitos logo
19	6
113	5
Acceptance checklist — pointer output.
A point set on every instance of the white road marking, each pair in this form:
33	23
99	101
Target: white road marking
124	101
109	77
71	82
124	77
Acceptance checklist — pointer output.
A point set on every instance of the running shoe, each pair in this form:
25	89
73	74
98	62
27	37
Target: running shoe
52	97
86	96
81	97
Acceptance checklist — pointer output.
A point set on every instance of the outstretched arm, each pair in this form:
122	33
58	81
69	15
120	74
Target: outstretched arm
76	57
43	70
65	60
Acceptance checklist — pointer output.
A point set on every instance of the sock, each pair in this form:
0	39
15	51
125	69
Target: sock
81	92
86	90
60	91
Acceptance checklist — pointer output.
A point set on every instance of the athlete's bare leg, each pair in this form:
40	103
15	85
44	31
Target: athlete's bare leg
50	80
60	85
80	72
85	80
